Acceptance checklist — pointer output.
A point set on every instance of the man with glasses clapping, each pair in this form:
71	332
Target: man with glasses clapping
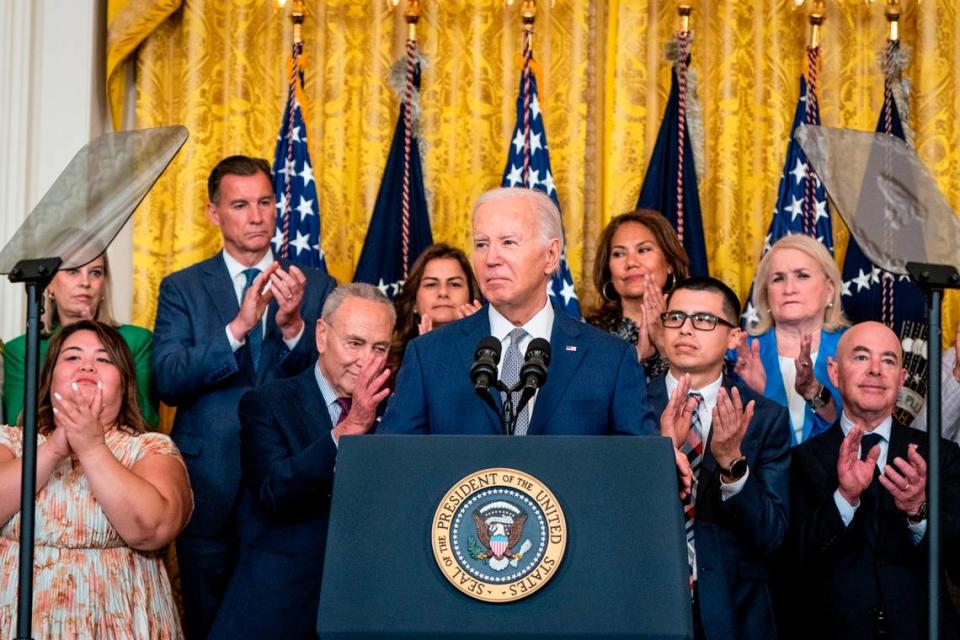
737	443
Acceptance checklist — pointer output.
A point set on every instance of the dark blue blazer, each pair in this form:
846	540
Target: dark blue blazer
736	539
288	457
594	385
843	575
196	371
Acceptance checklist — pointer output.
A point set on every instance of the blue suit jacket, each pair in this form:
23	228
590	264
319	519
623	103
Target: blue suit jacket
735	539
288	459
196	371
594	385
812	423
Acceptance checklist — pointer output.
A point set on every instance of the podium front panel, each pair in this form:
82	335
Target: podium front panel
624	572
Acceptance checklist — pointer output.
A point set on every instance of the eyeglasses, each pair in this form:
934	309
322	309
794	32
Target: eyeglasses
701	320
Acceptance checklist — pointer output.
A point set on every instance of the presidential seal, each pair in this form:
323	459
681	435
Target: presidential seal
499	535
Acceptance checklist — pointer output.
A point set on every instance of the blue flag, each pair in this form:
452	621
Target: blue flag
791	214
297	237
659	191
540	177
382	258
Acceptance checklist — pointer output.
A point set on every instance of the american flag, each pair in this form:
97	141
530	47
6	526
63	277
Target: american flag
530	143
399	229
297	237
670	185
801	198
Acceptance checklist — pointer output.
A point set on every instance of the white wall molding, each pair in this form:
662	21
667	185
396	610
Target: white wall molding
53	102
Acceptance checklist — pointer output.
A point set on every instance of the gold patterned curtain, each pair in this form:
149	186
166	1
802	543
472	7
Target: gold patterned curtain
217	67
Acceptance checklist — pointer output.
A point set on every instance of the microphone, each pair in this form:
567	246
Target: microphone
533	374
483	372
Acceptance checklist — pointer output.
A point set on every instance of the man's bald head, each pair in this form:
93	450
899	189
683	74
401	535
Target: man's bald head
868	371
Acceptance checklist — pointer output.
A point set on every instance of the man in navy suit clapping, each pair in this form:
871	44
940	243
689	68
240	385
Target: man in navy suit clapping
225	325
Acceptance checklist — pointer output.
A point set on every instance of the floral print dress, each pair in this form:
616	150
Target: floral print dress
87	582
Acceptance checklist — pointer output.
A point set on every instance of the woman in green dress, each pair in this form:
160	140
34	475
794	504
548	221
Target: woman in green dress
76	294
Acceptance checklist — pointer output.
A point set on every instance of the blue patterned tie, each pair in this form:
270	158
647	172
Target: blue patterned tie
693	449
512	362
255	336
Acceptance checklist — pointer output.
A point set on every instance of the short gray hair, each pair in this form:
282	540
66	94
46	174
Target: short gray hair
354	290
548	215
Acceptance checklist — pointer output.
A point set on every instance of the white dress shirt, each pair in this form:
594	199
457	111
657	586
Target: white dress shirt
705	411
949	401
847	510
539	326
236	269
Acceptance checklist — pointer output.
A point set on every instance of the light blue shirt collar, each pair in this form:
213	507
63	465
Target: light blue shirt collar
329	396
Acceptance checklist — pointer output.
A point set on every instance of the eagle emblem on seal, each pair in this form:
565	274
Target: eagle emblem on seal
499	526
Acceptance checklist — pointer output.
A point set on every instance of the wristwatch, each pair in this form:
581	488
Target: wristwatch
820	399
920	515
737	469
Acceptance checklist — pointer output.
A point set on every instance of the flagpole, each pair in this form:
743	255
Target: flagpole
892	13
816	17
684	9
297	14
528	14
412	16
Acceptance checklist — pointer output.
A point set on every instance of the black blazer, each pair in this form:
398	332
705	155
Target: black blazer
735	539
288	458
842	576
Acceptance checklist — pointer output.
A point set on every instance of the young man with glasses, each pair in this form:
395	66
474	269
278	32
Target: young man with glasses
738	445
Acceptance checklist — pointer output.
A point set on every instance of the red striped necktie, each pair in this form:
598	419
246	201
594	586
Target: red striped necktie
693	449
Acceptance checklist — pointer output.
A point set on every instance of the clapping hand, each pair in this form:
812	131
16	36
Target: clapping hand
730	420
677	416
468	309
806	383
855	475
650	330
254	303
907	483
287	289
749	367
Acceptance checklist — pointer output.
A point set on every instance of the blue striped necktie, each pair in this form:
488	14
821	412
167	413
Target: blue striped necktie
255	336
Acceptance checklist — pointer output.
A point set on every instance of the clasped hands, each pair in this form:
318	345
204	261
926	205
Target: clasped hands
729	422
904	480
286	287
77	419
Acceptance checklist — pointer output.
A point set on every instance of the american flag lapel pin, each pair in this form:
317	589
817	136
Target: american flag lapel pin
571	347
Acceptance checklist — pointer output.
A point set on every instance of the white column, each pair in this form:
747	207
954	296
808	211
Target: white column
52	104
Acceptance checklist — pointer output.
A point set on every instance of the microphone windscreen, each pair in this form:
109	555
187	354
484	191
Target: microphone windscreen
541	348
491	345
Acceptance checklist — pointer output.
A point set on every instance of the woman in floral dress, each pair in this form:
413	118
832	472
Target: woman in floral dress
110	497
